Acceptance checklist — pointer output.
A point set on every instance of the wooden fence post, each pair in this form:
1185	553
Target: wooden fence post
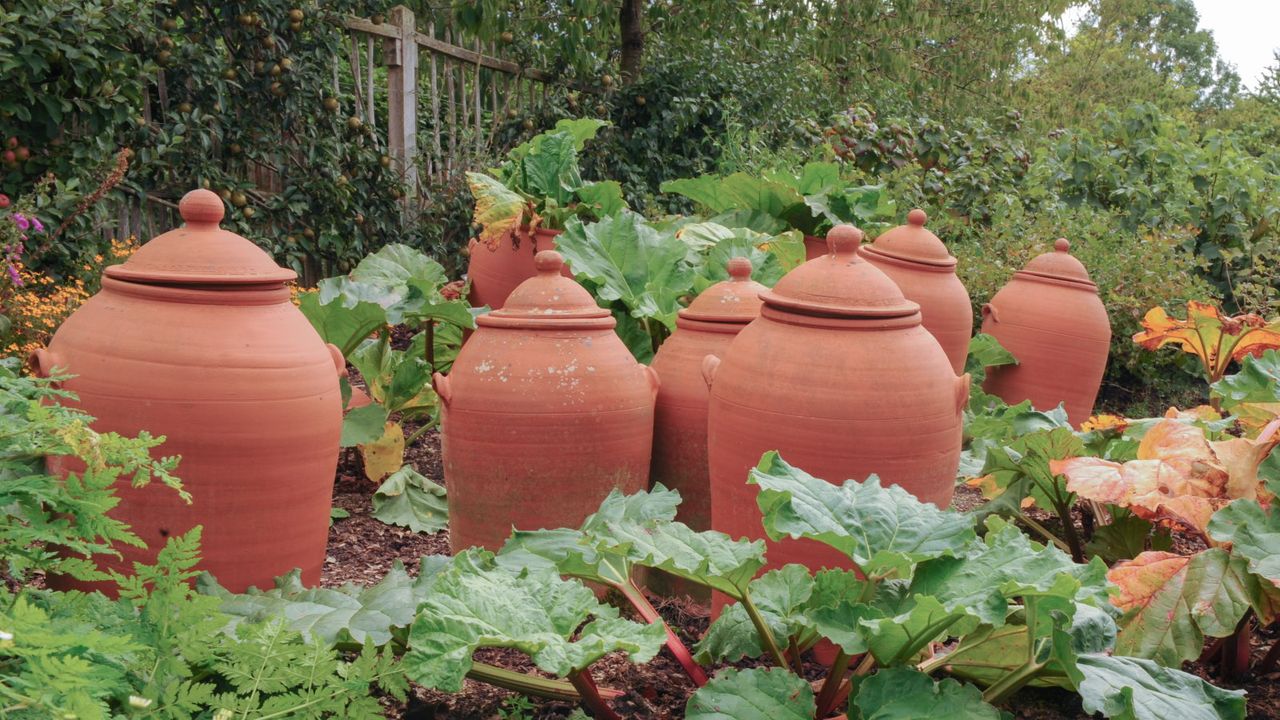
401	57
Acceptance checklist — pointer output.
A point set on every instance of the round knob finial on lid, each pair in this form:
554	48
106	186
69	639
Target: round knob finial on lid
548	262
843	241
917	217
739	269
1062	245
201	207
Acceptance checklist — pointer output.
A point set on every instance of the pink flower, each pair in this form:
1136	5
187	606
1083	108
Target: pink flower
35	223
22	221
14	276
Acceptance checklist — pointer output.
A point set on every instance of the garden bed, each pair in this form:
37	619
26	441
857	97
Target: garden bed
361	550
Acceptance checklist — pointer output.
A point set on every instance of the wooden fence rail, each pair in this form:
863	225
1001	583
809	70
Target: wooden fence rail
470	91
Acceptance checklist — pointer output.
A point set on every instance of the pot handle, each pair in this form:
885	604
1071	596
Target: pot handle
655	382
962	392
443	388
43	361
989	311
339	362
709	365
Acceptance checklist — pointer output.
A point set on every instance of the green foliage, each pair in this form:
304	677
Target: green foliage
811	202
40	511
1253	393
645	272
474	603
1254	534
159	652
753	694
904	693
408	499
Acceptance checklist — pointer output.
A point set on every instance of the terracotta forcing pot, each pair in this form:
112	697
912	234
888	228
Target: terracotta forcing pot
495	272
194	338
920	264
1050	317
840	377
708	325
544	412
814	247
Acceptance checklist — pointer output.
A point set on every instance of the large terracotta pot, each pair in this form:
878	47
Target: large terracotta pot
839	376
1050	317
194	338
495	272
814	247
708	325
919	263
544	412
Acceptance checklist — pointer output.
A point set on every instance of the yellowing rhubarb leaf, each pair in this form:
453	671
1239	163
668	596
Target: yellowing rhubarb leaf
1206	333
499	209
1180	477
384	455
1104	422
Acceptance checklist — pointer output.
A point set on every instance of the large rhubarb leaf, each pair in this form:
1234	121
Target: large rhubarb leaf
781	596
1254	534
1172	602
499	210
999	425
639	529
398	265
755	694
1215	339
907	694
1179	476
1253	393
410	500
882	529
1126	688
629	261
350	613
1061	633
342	325
604	197
476	603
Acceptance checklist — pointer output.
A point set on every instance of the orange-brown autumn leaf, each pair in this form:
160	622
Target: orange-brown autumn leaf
1179	477
1206	333
1141	578
1104	422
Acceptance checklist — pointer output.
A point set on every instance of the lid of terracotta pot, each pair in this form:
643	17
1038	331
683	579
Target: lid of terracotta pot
840	284
546	298
200	252
736	300
1058	265
913	243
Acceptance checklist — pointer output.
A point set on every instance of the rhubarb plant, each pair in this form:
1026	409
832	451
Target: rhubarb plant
645	272
395	285
811	201
1252	394
454	606
1210	489
1013	613
1215	339
540	185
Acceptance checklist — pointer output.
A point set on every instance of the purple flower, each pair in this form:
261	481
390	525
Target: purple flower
35	223
22	221
14	276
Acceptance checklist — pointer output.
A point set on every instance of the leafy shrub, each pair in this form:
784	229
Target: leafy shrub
1134	271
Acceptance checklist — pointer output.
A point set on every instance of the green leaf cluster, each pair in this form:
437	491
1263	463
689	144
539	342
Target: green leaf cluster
41	510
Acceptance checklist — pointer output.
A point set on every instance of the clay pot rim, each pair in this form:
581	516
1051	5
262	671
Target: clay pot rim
568	321
938	265
727	325
157	277
798	306
1057	280
842	321
228	294
541	232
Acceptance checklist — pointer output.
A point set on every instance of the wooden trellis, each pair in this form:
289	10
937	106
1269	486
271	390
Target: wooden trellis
469	92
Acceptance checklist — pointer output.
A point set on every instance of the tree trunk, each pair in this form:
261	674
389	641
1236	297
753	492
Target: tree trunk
631	28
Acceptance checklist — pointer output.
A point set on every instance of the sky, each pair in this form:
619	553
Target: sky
1246	32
